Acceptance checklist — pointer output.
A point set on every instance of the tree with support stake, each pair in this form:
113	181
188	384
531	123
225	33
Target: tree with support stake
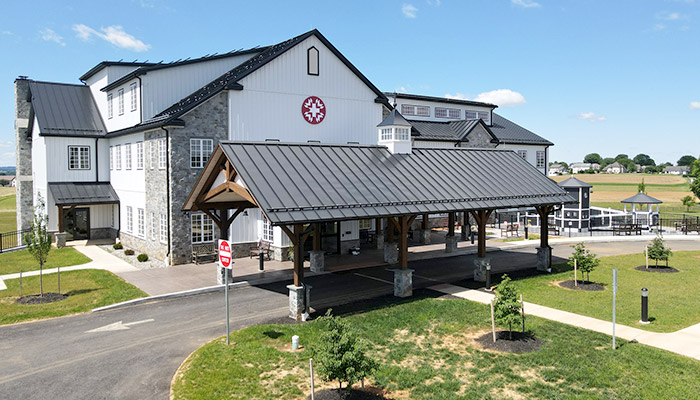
657	251
584	260
507	308
38	240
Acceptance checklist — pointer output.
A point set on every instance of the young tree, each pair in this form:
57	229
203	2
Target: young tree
642	187
340	354
586	261
688	201
506	305
658	251
38	241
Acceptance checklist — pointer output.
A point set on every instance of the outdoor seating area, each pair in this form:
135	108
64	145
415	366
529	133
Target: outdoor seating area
263	248
205	252
510	230
626	229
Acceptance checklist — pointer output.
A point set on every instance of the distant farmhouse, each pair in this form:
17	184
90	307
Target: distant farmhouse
615	168
557	169
578	167
682	170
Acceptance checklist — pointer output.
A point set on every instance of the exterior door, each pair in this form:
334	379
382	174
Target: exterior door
77	224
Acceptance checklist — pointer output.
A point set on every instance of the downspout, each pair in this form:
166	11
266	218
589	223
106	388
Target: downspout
141	100
97	162
167	186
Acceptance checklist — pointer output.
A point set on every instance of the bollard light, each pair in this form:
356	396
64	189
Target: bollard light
261	265
645	306
488	276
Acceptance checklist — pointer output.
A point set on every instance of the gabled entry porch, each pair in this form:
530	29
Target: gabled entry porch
84	210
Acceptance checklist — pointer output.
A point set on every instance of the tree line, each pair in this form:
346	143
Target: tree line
630	164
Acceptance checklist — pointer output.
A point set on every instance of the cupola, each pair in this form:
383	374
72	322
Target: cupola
395	133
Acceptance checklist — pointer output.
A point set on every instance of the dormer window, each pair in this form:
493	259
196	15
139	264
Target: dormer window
312	61
402	133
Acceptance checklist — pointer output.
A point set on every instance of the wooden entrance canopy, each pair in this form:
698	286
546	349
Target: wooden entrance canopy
69	195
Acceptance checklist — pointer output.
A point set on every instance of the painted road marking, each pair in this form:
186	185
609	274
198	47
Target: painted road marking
118	326
373	278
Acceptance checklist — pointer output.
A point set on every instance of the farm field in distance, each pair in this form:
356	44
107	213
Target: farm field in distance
8	219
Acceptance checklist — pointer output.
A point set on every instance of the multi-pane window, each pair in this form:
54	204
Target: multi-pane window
470	114
202	228
523	154
78	157
402	133
365	224
120	101
386	133
162	154
129	219
127	155
484	116
141	222
268	232
411	109
110	106
200	150
132	90
111	158
139	155
442	112
540	159
163	228
154	226
118	156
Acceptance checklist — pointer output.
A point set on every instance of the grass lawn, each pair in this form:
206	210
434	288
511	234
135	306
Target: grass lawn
531	236
86	290
12	262
672	296
426	350
8	216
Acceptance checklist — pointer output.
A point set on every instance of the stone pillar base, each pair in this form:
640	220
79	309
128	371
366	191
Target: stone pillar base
60	239
450	244
220	275
317	259
403	282
544	259
380	241
391	253
481	264
299	297
424	236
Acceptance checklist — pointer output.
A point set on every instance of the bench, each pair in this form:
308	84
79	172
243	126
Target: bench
553	230
510	229
691	227
262	247
627	229
204	252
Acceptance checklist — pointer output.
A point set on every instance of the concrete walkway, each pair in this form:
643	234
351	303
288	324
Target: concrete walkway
684	342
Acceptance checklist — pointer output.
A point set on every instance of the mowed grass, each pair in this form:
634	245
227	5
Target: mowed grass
8	215
86	289
426	350
673	297
15	261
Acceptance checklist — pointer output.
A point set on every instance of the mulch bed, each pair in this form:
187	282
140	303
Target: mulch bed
36	299
661	269
520	343
582	285
346	394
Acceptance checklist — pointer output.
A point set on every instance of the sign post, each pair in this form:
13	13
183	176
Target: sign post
225	262
614	293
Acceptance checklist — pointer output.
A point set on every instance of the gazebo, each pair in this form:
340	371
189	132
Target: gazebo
647	218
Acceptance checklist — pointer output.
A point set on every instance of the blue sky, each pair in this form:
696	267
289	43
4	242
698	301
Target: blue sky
591	76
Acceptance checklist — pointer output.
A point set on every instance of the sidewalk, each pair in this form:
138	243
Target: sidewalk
685	342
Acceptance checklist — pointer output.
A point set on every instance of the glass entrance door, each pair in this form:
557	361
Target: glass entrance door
77	224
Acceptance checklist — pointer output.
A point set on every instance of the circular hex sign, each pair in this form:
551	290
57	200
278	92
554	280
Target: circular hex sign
313	110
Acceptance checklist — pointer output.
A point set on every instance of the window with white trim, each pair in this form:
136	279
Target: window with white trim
484	116
154	226
202	228
540	159
139	155
365	224
110	106
163	228
111	214
78	157
268	232
200	150
442	112
111	158
129	219
162	154
312	61
523	154
386	134
118	156
127	155
470	114
412	109
402	133
141	222
132	90
120	101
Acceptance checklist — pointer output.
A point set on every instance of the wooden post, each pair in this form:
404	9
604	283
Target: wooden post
298	255
575	272
311	372
481	216
451	224
60	218
389	231
378	226
20	283
646	255
317	236
426	222
403	242
493	323
522	311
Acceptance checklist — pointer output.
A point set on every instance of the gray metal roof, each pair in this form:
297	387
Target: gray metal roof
307	182
456	130
509	132
439	99
80	193
574	183
66	110
641	198
394	118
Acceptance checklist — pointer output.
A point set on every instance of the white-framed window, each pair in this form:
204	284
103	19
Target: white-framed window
111	158
418	111
386	133
442	112
118	156
403	133
120	101
312	61
162	154
129	219
163	228
202	228
139	155
540	159
523	154
484	116
468	114
200	150
127	155
268	232
366	224
110	106
132	90
141	222
78	157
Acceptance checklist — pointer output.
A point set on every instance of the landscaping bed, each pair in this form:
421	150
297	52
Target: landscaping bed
427	349
12	262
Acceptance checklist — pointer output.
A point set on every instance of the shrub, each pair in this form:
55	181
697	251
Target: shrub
129	252
506	305
586	261
658	251
142	257
117	246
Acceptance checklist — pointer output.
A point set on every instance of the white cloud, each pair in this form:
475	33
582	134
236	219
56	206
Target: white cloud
659	27
591	117
501	97
8	158
49	35
435	3
400	89
671	16
409	10
113	34
695	105
457	96
525	3
9	33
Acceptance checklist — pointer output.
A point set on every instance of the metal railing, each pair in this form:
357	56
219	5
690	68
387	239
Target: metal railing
12	240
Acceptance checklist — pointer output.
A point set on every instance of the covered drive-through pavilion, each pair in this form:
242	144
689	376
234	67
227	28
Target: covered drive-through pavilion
297	186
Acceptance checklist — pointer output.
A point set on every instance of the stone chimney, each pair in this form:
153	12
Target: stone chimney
395	133
23	152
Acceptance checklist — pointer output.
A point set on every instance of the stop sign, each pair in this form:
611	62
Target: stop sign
225	253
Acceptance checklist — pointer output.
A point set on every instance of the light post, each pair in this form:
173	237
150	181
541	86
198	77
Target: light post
645	306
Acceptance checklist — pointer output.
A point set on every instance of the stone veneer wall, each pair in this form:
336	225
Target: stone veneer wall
23	151
156	197
479	138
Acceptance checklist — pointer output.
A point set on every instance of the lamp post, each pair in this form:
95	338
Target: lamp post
645	306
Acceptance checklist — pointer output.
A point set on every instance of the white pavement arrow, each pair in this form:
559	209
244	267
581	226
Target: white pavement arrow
118	326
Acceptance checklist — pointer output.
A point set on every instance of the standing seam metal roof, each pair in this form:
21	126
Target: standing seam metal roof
66	110
80	193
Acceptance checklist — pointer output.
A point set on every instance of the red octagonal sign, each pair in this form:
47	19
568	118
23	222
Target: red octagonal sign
313	110
225	254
